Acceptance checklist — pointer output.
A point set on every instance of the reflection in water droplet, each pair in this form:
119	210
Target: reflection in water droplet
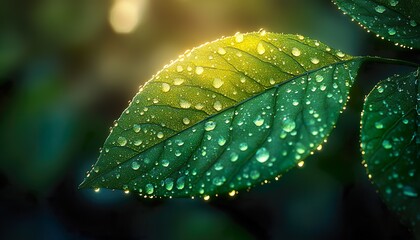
243	146
217	106
209	126
386	144
122	141
135	165
262	155
380	9
259	121
254	174
260	48
199	70
217	82
295	52
234	157
410	191
165	87
149	188
186	121
289	125
169	184
184	103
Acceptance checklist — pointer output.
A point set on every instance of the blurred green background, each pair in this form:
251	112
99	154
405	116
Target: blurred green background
68	69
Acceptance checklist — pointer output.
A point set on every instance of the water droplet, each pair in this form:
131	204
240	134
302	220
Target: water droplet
314	60
410	191
379	125
392	31
149	188
178	81
97	189
301	163
180	183
262	155
259	121
218	181
393	3
380	89
136	128
234	157
239	37
340	54
209	126
135	165
218	166
217	82
254	174
319	78
160	135
289	125
165	162
260	48
221	141
122	141
295	52
386	144
380	9
186	121
165	87
179	68
199	70
217	105
243	146
221	51
169	184
138	142
184	103
413	23
405	121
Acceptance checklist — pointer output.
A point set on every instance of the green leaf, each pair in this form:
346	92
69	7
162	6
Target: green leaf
390	143
396	21
226	116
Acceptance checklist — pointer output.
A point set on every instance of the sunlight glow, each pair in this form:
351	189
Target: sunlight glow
126	15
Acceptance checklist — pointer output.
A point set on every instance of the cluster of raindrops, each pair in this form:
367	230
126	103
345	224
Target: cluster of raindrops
192	125
384	20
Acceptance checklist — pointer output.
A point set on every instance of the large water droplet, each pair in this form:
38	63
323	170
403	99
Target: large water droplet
221	141
184	103
165	162
179	68
136	128
221	51
254	174
186	121
122	141
393	3
218	181
169	184
392	31
218	166
259	121
239	37
178	81
165	87
289	125
217	82
180	183
380	9
260	48
243	146
160	135
319	78
386	144
209	126
262	155
199	70
314	60
295	52
379	125
234	157
217	106
149	188
135	165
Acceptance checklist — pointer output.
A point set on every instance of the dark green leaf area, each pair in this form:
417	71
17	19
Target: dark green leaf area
395	20
258	139
390	142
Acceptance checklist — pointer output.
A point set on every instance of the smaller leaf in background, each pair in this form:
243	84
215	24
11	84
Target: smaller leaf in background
227	115
396	21
390	141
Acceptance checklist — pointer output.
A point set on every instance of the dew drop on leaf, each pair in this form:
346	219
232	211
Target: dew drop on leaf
209	126
296	52
262	155
122	141
135	165
217	82
243	146
136	128
169	184
386	144
380	9
149	188
254	174
259	121
234	157
289	125
165	87
260	48
410	191
199	70
217	106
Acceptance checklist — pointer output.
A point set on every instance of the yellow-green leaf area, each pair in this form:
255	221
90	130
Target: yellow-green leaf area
177	136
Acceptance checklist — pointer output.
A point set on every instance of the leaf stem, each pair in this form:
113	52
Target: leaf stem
392	61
